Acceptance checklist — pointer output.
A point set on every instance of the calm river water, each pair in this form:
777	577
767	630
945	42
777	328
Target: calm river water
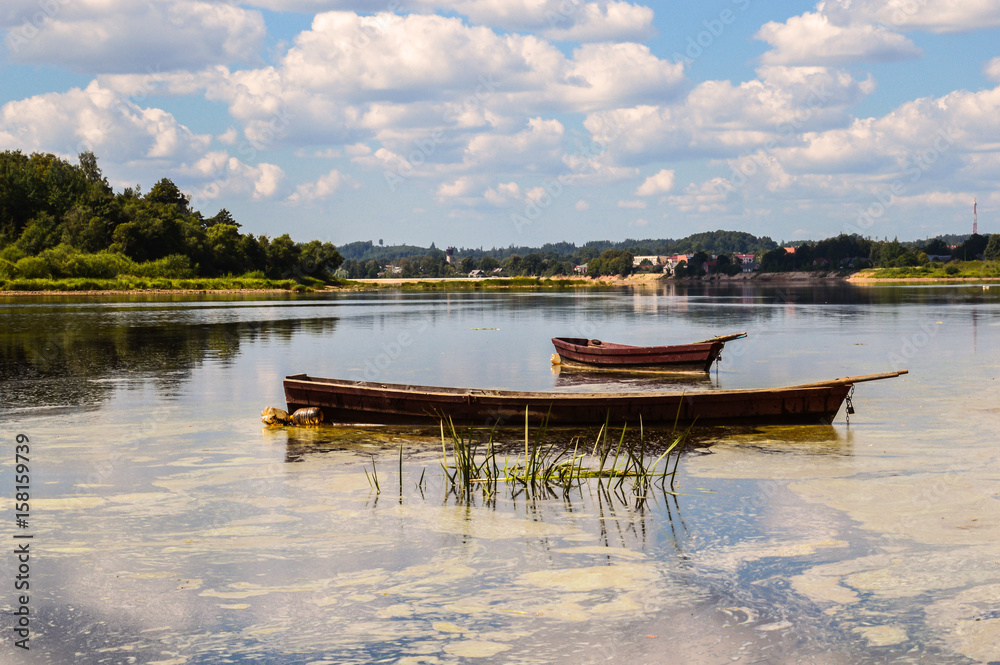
168	526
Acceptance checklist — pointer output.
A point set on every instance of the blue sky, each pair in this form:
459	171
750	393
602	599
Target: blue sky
496	122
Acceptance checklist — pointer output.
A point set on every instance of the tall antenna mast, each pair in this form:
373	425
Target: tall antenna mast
975	219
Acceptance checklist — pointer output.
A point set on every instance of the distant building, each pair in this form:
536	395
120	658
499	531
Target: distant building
390	270
477	273
582	269
449	254
670	262
655	260
748	262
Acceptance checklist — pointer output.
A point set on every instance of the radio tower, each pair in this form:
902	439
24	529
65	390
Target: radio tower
975	219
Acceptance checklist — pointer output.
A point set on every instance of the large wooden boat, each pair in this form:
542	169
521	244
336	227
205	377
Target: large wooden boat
363	402
581	353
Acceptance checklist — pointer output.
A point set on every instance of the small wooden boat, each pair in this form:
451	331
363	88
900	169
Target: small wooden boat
363	402
581	353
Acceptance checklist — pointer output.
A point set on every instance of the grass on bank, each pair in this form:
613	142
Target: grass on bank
944	271
65	268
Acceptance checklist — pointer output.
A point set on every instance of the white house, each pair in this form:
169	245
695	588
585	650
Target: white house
655	260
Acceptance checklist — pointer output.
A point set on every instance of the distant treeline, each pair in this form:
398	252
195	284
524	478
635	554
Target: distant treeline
843	252
853	252
711	242
60	220
63	220
602	257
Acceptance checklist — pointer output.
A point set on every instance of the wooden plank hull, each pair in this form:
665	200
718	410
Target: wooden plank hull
581	352
364	402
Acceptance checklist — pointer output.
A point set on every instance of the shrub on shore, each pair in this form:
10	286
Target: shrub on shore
133	283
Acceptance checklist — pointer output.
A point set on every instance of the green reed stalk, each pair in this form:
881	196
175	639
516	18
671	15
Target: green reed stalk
546	466
373	479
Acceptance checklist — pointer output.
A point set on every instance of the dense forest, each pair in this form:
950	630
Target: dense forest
60	220
63	220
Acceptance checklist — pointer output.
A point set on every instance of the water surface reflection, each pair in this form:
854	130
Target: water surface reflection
170	527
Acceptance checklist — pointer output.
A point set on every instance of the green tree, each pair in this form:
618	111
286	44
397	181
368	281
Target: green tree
611	262
511	265
92	172
937	247
992	251
282	257
41	233
697	263
222	217
318	260
894	254
167	193
531	264
253	253
775	260
226	252
154	231
973	246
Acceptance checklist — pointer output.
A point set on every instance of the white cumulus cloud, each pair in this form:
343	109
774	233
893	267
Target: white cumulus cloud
574	20
322	188
99	36
660	183
98	120
720	119
634	205
814	39
992	69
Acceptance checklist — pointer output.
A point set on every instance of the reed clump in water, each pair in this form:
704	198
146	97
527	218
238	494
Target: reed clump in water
545	466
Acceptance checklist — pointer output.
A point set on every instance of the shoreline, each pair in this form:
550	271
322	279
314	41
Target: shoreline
139	292
646	279
938	280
